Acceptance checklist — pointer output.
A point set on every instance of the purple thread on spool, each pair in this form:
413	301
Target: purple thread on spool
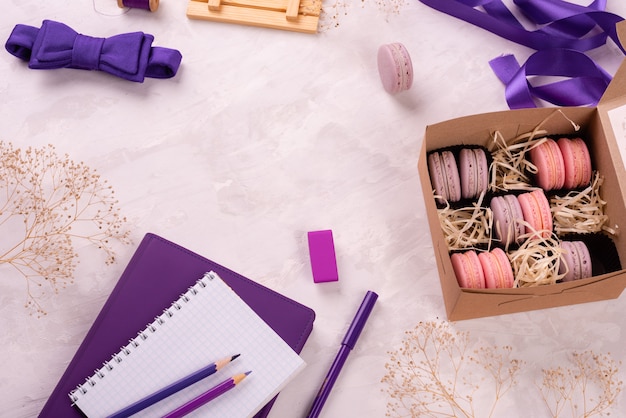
151	5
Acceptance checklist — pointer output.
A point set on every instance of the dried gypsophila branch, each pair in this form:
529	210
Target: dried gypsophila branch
431	374
47	202
331	13
589	388
467	227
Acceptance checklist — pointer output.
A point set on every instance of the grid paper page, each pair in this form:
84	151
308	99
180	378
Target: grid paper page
209	322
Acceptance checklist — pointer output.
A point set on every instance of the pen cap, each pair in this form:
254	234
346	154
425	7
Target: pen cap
360	319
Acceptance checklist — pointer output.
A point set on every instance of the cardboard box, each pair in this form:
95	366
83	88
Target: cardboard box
605	129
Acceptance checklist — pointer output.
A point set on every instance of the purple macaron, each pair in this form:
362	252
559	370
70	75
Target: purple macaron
507	219
444	176
395	67
575	261
474	172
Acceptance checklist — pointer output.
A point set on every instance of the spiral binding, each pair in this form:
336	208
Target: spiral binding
135	343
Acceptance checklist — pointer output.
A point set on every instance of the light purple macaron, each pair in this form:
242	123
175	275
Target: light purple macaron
474	172
444	176
507	219
395	67
575	262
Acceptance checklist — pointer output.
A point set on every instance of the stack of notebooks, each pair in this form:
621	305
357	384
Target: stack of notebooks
166	318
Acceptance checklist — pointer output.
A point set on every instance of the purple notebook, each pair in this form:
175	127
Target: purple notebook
157	274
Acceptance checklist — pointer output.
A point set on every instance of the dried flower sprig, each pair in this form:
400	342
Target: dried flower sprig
588	388
332	11
431	374
47	202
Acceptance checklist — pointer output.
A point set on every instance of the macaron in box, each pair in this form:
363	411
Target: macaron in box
445	176
575	261
508	138
460	176
508	226
483	270
563	163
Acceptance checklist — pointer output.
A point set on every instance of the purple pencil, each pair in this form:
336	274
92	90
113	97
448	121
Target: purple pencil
207	396
172	388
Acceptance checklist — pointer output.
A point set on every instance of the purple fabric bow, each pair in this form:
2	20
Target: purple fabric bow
564	32
130	56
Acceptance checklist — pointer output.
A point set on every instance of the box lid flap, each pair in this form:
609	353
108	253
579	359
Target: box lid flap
612	113
617	87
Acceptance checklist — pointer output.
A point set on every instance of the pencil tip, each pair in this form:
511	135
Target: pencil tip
234	357
248	372
239	377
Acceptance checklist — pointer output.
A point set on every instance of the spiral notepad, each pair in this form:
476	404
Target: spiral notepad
207	323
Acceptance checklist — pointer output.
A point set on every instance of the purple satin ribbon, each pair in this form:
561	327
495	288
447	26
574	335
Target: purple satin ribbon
565	31
584	85
130	56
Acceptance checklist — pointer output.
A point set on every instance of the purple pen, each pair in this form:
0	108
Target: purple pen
347	344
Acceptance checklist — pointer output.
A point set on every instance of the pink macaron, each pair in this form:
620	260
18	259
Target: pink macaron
444	175
507	219
497	269
395	67
577	162
537	213
548	159
575	261
467	269
474	172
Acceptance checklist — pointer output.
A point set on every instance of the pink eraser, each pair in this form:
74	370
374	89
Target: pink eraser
322	252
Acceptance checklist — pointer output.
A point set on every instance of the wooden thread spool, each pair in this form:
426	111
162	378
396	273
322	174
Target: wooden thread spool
151	5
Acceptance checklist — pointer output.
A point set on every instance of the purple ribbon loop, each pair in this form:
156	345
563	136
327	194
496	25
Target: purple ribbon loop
560	24
564	31
546	11
584	86
130	56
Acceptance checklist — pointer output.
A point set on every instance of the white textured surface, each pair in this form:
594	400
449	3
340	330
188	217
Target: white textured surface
262	136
